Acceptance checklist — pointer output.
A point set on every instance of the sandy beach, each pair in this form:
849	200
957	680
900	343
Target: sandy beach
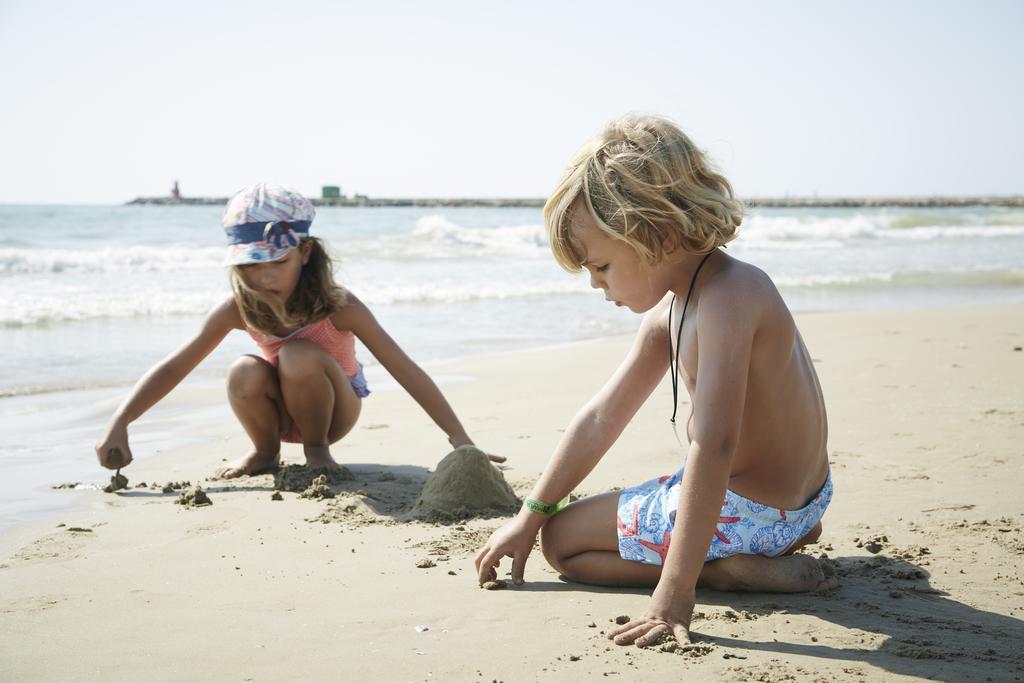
926	531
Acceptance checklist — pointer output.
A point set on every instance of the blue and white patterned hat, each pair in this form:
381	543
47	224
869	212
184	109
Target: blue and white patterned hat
263	222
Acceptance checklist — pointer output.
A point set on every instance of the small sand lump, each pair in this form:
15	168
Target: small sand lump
494	585
194	497
117	482
318	489
465	484
425	564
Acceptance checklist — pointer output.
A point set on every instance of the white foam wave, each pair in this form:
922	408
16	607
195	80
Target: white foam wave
439	229
71	305
75	304
833	232
455	292
936	232
786	229
915	219
436	237
27	261
438	261
962	278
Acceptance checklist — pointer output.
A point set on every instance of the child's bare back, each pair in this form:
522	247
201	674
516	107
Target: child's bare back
779	457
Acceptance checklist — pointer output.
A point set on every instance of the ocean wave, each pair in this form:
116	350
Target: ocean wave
436	237
472	291
935	232
38	389
29	261
438	229
760	230
833	232
71	306
905	279
77	305
917	219
143	302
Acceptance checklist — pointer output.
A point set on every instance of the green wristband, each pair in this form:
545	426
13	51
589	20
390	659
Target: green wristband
545	508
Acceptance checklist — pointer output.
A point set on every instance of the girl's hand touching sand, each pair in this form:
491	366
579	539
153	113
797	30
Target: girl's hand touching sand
113	451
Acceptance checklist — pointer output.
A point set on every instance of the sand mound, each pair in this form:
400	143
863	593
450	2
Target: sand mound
117	482
298	478
318	489
194	497
465	484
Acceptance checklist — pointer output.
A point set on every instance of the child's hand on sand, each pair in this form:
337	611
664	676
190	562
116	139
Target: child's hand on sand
113	451
669	613
514	540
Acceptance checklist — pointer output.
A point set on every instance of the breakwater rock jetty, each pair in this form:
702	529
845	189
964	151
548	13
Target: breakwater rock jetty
875	202
356	201
753	202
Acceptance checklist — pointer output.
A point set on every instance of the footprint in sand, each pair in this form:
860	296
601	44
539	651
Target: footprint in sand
68	544
32	603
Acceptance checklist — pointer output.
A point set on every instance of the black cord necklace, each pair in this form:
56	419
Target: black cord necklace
673	354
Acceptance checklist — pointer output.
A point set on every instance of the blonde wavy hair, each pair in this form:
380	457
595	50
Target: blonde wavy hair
316	295
645	183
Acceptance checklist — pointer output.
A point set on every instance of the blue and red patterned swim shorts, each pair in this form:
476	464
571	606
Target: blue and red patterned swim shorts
647	515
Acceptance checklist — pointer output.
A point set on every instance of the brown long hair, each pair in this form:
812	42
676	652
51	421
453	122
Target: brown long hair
316	295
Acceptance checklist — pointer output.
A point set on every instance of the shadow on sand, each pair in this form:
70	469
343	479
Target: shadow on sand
369	490
925	632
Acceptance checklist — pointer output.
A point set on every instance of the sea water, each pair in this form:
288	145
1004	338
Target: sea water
92	296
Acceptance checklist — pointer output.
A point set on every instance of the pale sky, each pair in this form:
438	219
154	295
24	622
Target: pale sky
105	101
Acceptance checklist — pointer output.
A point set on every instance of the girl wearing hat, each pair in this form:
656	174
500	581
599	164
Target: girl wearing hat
306	386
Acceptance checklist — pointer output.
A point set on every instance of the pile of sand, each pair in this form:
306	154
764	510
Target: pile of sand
318	489
298	478
117	482
194	497
465	484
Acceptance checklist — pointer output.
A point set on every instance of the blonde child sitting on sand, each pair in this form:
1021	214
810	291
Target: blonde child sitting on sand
307	386
642	211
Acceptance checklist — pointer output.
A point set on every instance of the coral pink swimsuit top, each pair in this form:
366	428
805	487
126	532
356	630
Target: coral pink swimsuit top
341	346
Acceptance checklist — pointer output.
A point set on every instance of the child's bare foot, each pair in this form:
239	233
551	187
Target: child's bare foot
754	573
253	463
319	458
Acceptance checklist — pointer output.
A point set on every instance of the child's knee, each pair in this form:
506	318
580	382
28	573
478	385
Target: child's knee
550	545
249	377
299	360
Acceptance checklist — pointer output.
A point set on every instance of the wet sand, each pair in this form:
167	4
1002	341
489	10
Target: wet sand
926	531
